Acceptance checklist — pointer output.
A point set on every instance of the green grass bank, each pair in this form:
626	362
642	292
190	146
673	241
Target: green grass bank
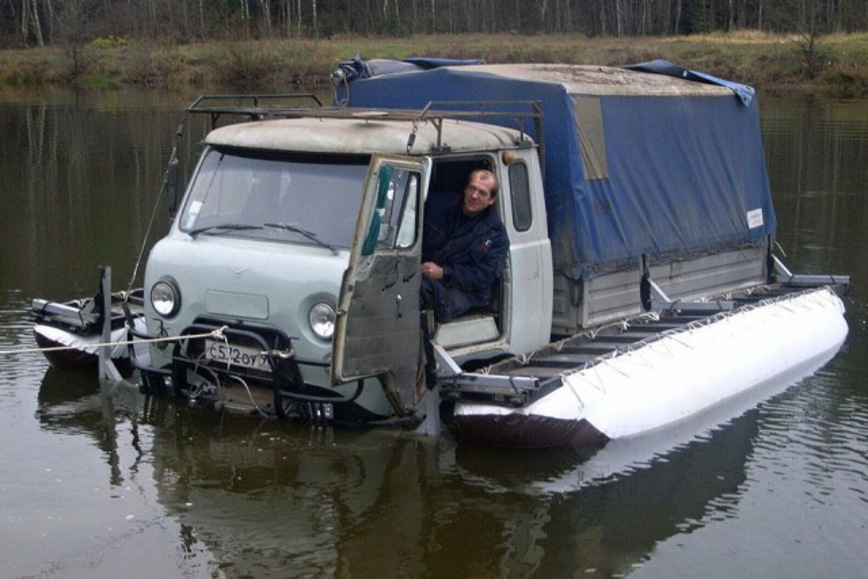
835	64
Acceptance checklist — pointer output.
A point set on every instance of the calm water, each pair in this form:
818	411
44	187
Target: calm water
97	480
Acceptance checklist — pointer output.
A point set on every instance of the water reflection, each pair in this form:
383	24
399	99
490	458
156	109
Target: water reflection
262	497
78	403
80	180
816	151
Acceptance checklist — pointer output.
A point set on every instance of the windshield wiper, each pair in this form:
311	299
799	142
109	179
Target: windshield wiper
309	234
223	226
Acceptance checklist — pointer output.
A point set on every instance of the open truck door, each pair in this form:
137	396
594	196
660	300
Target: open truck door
378	329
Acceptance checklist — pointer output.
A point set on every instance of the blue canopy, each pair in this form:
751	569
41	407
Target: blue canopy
744	92
637	164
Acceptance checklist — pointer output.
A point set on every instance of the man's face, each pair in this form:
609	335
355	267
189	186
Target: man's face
477	194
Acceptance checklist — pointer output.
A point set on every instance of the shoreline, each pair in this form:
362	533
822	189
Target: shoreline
837	64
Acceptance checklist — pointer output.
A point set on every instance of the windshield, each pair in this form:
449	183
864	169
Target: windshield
295	199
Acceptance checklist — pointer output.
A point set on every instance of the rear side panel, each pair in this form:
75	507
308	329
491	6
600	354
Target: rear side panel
615	295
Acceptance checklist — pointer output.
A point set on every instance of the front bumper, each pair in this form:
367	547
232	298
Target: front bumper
254	368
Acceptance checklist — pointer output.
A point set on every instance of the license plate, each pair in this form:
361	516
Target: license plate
224	353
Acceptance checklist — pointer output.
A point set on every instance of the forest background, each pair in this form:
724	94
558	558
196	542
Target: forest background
268	44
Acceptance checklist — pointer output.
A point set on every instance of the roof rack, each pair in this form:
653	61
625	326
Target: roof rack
252	107
273	106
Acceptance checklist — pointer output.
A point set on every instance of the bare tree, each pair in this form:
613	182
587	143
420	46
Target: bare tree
616	17
266	14
30	22
202	20
298	18
313	17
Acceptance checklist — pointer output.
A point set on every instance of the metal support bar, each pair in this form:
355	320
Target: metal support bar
657	293
660	301
452	380
63	313
781	270
499	389
489	383
818	280
107	369
799	280
431	424
448	366
703	307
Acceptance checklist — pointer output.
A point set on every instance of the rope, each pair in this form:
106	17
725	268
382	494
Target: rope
150	224
249	395
217	334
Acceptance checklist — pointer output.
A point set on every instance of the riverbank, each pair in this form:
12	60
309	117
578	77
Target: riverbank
835	64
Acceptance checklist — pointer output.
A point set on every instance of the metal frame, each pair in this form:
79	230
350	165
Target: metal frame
787	277
278	106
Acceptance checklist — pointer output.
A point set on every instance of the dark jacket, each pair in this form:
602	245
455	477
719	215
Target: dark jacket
472	252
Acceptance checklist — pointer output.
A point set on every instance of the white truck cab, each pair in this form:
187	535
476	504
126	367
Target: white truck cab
292	266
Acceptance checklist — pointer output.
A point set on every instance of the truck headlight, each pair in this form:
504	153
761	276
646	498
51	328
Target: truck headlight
322	320
166	298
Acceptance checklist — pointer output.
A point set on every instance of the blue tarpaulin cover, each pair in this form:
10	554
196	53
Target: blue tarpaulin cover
636	163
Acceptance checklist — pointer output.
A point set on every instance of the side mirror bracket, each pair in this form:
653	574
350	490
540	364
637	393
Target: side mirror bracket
170	187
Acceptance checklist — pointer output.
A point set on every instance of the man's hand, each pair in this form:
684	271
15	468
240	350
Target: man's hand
432	271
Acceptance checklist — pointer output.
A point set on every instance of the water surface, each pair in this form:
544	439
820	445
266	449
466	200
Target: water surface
97	479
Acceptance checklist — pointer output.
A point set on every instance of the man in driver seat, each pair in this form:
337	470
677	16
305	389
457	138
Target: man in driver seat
464	247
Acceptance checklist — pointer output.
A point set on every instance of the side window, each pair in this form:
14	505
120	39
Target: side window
519	187
406	235
393	225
